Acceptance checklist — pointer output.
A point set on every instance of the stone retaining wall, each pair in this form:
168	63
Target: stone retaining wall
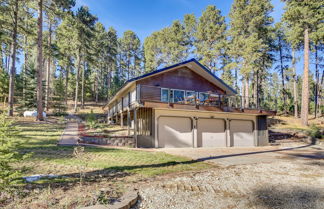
121	141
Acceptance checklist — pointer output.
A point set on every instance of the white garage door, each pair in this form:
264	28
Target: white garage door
175	132
242	133
211	133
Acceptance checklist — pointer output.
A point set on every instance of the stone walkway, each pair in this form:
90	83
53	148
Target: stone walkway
70	135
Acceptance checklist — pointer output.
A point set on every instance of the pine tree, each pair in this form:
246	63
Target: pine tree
29	83
130	49
84	26
250	32
9	154
13	57
210	37
283	53
303	17
59	105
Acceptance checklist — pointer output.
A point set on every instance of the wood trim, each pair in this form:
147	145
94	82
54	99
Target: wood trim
153	104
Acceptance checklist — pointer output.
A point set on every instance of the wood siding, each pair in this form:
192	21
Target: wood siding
182	78
150	93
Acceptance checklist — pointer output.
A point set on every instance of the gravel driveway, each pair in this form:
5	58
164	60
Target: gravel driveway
293	179
248	155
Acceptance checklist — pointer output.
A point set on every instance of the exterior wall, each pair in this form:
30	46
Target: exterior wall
128	96
201	114
262	131
145	141
182	78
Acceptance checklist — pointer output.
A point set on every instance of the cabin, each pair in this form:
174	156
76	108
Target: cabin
185	105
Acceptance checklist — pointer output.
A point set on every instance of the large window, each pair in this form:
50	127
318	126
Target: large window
190	94
190	97
178	96
165	95
203	96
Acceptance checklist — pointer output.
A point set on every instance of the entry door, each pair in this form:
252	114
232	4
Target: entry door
175	132
211	132
242	133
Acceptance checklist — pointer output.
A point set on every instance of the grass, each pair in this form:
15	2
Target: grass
292	123
111	170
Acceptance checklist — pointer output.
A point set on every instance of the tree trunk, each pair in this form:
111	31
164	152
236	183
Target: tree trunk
317	81
77	82
295	84
1	57
236	78
25	66
48	72
282	72
13	65
247	95
256	89
40	62
96	83
9	58
243	94
82	87
305	89
66	85
320	97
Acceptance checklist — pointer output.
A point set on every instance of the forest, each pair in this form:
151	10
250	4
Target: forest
53	53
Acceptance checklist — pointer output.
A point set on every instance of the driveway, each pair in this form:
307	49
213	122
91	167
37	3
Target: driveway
289	177
249	155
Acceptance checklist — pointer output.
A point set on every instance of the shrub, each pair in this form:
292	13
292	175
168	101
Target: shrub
9	145
315	131
91	120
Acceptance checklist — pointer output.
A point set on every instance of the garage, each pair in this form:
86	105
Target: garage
175	132
211	132
242	133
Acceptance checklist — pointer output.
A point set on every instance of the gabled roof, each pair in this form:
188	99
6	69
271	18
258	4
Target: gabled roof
205	73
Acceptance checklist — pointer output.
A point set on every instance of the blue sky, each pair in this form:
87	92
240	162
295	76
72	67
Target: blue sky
146	16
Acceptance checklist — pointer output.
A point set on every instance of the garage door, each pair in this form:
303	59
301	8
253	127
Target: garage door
242	133
175	132
211	133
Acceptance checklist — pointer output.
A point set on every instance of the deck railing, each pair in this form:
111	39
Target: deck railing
206	98
145	93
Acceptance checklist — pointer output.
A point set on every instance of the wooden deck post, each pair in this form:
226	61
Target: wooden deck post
121	120
108	116
128	122
135	126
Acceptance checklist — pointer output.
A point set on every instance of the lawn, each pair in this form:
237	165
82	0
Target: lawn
106	173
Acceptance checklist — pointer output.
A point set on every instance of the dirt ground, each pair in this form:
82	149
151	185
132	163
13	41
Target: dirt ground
288	178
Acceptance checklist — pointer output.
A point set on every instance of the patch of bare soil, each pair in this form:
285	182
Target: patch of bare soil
282	184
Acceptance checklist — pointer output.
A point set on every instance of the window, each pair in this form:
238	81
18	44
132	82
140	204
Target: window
133	96
190	97
203	96
190	94
164	95
178	96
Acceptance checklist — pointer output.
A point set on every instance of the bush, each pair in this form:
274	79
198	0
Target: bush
9	154
315	131
91	120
